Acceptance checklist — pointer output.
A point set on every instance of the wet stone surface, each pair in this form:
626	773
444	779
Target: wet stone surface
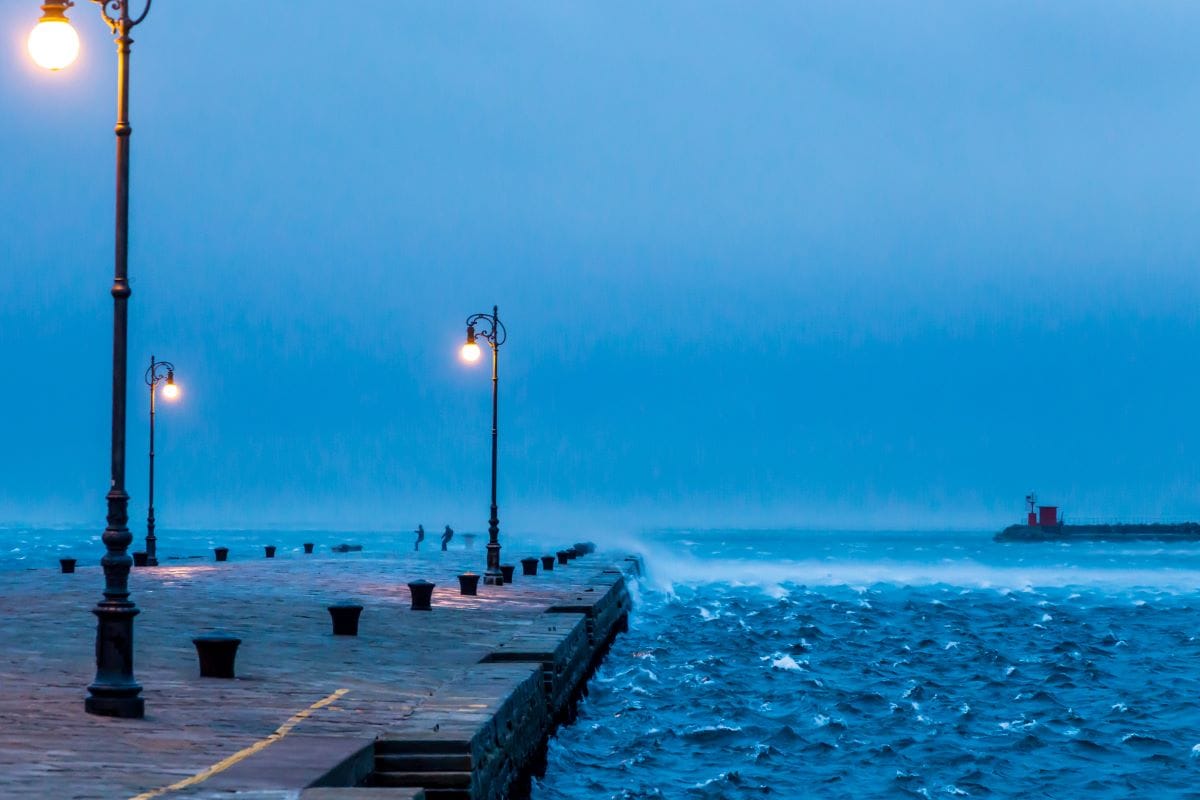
288	660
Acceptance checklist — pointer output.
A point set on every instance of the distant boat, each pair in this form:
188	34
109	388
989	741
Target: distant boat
1045	524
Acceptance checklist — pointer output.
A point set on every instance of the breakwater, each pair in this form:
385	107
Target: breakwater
454	702
1114	532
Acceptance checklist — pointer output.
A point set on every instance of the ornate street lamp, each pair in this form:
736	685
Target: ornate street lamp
491	329
154	375
114	693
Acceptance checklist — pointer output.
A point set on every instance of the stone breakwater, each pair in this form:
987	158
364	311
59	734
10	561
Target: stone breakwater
456	702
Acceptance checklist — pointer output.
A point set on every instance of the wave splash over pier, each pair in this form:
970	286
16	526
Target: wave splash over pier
797	664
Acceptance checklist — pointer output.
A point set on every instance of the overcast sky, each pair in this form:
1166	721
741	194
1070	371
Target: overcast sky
802	264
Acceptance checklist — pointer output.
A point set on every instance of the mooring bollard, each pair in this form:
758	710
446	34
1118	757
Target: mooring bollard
507	571
529	566
422	595
585	548
270	550
345	616
548	563
140	559
308	547
217	652
468	583
563	557
222	553
67	565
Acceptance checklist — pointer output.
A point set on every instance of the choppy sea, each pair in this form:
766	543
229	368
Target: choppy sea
882	665
806	664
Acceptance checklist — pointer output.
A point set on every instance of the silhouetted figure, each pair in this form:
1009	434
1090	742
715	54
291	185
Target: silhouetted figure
447	536
420	537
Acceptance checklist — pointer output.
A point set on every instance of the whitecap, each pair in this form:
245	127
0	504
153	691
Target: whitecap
785	662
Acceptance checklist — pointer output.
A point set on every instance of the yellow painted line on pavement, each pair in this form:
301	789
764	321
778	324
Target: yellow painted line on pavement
241	755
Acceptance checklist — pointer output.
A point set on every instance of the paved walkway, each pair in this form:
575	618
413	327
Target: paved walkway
288	662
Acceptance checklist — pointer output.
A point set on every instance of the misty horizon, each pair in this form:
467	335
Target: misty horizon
806	268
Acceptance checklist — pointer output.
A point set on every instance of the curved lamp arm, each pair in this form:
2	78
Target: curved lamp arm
116	13
488	326
158	370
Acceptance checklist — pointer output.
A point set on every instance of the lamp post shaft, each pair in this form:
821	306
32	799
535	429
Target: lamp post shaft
115	692
493	575
151	539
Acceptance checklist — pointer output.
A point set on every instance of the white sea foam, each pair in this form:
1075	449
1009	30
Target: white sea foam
784	662
667	566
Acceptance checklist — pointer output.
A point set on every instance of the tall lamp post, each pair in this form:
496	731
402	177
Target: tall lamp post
158	372
489	327
114	693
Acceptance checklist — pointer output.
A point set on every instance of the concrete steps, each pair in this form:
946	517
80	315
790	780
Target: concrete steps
423	762
426	780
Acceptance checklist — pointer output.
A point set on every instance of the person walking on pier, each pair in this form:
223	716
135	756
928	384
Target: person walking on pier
420	531
446	537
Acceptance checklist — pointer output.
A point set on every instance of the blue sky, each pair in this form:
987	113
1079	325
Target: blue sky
782	264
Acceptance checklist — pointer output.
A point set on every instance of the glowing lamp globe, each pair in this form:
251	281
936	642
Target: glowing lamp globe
470	352
171	389
53	43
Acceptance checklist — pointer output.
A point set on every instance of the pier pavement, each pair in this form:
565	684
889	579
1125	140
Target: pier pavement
454	700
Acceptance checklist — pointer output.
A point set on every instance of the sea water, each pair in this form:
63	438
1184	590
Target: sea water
861	665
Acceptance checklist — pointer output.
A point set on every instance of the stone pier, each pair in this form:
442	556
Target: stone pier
456	702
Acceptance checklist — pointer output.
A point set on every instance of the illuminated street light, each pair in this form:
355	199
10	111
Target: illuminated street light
114	692
493	331
53	42
155	375
470	350
171	389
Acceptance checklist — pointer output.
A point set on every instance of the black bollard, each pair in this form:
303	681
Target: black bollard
67	565
563	557
222	553
572	554
422	595
140	559
507	571
217	652
585	548
270	550
345	618
308	547
529	566
468	583
548	563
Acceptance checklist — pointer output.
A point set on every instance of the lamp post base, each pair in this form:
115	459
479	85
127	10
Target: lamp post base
492	576
114	692
122	707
